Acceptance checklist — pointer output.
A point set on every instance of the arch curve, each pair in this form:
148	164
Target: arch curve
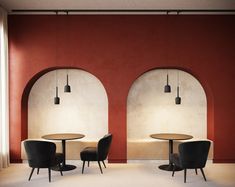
143	90
29	87
206	87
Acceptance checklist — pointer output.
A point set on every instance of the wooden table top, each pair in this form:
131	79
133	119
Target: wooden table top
63	136
171	136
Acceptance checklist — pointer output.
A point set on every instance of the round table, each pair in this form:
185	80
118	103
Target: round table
63	137
170	137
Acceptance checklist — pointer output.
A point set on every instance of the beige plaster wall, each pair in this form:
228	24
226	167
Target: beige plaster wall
84	110
155	150
150	110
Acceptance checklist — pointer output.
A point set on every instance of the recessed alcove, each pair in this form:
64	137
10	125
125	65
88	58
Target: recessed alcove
150	110
84	110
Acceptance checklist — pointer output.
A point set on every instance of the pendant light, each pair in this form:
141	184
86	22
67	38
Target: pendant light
167	88
178	98
56	98
67	88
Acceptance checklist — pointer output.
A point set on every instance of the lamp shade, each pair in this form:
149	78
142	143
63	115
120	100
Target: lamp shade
178	100
67	88
167	89
56	100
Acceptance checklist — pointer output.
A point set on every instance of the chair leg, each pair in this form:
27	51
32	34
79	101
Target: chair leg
31	173
185	173
196	170
100	167
104	164
49	174
88	164
173	171
38	171
203	174
60	170
83	165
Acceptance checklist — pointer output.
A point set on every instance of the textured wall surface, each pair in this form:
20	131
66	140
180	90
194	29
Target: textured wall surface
84	110
150	110
117	49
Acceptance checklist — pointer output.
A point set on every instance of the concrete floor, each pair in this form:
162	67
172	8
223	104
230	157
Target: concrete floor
138	174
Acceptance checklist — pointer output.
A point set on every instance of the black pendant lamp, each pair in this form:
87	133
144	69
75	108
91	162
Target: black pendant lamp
178	98
56	98
67	88
167	88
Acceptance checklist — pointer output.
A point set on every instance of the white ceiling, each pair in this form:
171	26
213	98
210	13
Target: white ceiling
117	4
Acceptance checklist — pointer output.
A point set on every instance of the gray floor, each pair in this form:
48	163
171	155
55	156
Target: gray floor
138	174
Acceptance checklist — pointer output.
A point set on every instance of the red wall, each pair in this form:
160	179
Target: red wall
117	49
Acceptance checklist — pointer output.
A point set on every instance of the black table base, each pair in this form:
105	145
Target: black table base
169	167
64	168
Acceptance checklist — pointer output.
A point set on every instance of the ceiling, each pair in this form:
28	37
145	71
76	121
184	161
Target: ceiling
117	4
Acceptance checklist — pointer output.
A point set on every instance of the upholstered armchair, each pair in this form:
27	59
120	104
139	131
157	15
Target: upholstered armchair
42	154
192	155
98	153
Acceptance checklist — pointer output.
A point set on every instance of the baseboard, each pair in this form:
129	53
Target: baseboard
117	160
223	160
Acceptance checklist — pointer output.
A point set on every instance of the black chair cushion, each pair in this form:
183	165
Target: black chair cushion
89	154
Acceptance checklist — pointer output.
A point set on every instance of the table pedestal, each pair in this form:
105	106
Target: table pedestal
63	137
64	167
170	137
169	167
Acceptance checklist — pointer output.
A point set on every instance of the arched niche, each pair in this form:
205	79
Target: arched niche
84	110
150	110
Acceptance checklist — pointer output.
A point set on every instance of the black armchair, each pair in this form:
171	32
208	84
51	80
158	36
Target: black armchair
192	155
42	154
98	153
